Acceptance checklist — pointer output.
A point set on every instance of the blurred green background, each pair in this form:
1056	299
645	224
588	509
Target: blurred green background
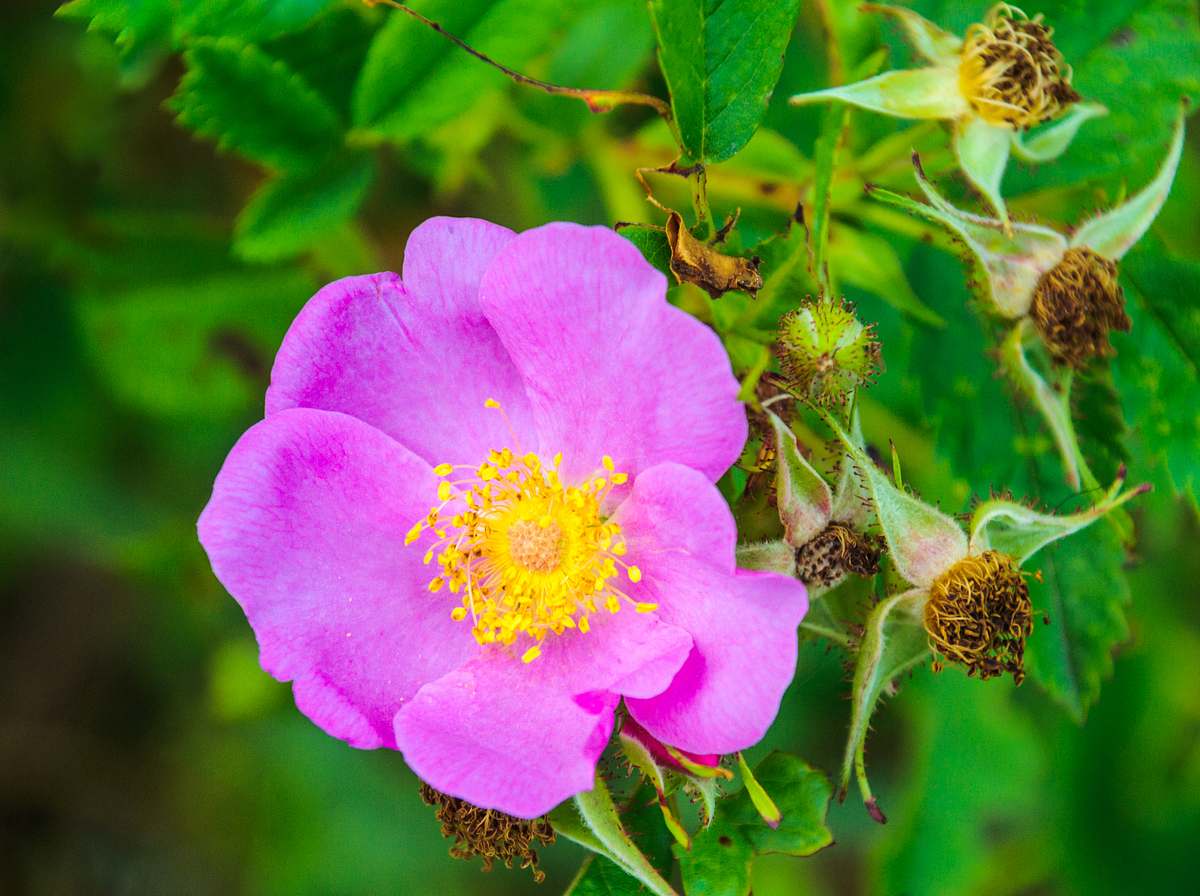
141	748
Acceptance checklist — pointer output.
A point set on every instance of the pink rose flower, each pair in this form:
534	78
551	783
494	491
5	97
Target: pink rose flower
480	512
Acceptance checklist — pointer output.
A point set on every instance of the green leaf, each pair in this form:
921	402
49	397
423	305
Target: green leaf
415	80
292	211
721	60
1084	593
201	347
248	20
134	24
254	105
1157	368
721	856
652	243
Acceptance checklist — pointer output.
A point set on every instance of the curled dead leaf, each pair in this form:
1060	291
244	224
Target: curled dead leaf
695	262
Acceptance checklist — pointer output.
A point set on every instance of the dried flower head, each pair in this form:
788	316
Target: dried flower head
836	551
489	834
1075	305
826	352
978	615
1011	72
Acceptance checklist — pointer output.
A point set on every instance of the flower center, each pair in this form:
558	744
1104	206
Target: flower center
979	615
528	554
1010	71
1075	305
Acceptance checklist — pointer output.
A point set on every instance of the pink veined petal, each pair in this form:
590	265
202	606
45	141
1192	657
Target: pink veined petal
498	733
306	530
610	367
627	653
743	624
415	358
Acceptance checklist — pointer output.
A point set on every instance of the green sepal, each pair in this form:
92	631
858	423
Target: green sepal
1020	531
1012	261
762	801
982	150
932	43
767	556
803	497
922	541
894	641
1114	232
908	93
639	757
591	820
1051	141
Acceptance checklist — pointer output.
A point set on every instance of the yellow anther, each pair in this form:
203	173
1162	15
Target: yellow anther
635	574
458	614
619	478
531	654
491	403
414	533
608	464
584	625
443	469
487	472
436	585
645	608
444	491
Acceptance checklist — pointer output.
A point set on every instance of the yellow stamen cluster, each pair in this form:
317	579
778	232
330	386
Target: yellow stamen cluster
527	554
1011	72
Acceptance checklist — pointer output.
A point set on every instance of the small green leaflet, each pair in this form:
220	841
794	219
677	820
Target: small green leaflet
721	60
254	105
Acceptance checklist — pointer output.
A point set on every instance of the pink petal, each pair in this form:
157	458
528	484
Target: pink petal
610	367
743	624
306	529
498	733
416	359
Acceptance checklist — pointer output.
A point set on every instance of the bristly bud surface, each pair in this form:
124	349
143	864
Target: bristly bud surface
826	352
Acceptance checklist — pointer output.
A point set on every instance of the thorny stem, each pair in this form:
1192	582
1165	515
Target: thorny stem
597	100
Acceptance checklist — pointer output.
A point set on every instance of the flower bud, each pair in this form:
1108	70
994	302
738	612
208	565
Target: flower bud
489	834
1011	73
1075	305
979	615
825	352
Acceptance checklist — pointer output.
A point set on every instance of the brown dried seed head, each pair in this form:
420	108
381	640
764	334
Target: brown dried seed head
978	615
1075	305
834	552
1011	72
491	835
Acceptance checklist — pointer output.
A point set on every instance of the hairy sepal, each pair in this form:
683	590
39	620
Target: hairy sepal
803	497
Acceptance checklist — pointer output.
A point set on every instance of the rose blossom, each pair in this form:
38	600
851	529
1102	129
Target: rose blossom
480	512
